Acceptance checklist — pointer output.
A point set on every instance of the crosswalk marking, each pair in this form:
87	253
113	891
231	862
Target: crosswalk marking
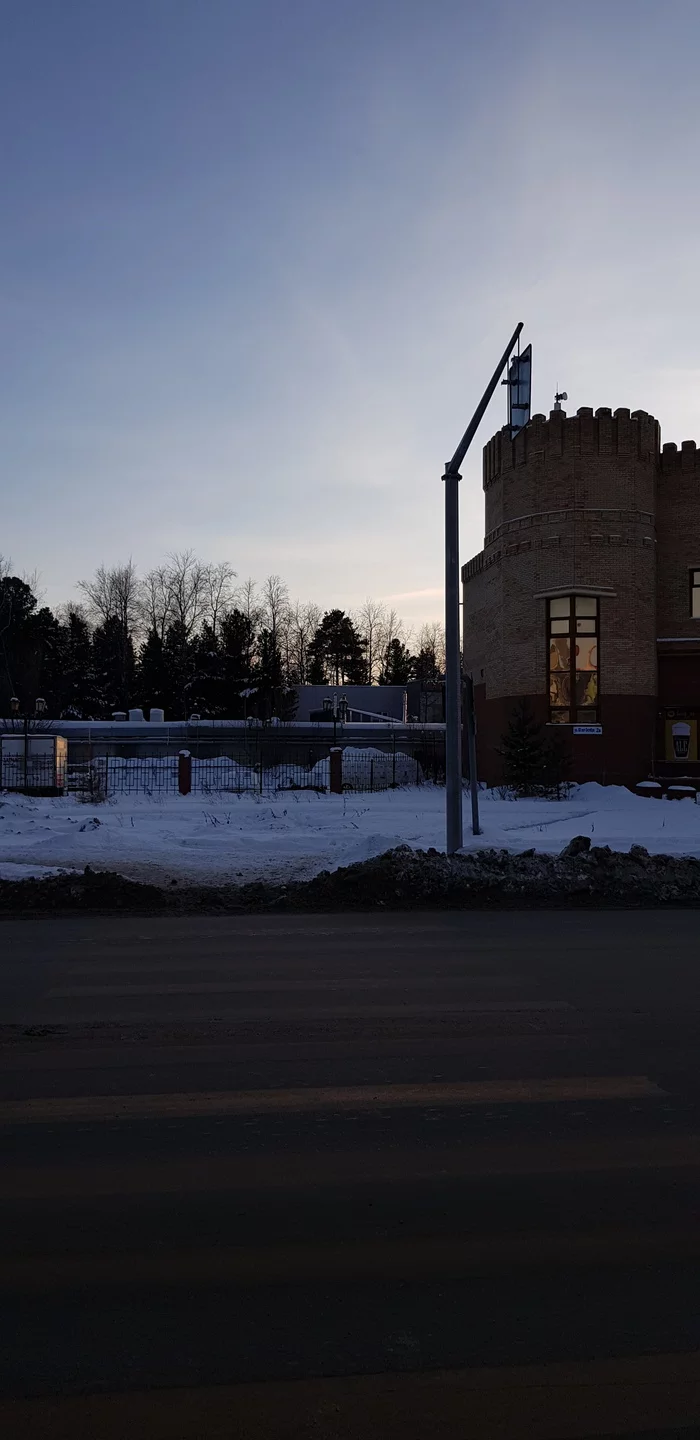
53	1110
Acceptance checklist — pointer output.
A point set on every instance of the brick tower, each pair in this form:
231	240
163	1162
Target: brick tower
561	604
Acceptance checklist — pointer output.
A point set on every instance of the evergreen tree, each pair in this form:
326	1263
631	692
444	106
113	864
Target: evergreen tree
17	604
153	681
337	652
425	666
274	696
115	666
557	763
237	650
180	670
78	697
399	665
206	684
317	667
30	659
522	751
43	671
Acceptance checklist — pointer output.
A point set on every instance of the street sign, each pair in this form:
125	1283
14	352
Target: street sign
519	390
588	729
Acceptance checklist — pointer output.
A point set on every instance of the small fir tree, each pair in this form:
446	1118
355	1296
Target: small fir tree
556	766
522	751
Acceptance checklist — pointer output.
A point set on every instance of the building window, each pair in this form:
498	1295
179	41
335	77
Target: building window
695	594
573	659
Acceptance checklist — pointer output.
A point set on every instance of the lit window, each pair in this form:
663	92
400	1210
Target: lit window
695	594
573	658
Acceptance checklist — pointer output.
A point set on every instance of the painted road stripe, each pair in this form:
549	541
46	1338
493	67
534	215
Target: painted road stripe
197	986
148	973
220	1009
54	1110
420	1259
559	1401
285	1171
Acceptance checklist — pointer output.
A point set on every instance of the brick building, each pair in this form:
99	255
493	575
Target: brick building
586	595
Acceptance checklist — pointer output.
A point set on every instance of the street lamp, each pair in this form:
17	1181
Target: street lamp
16	713
39	706
453	658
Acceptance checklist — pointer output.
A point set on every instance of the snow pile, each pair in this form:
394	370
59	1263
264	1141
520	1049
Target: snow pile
400	879
369	769
236	837
364	768
157	775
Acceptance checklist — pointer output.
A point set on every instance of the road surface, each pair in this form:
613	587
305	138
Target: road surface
350	1176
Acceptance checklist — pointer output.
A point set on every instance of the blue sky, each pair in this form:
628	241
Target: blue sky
258	259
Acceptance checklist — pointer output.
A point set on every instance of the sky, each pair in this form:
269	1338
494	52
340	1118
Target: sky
258	259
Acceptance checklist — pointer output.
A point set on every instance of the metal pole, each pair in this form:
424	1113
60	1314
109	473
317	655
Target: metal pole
453	668
471	751
453	658
480	411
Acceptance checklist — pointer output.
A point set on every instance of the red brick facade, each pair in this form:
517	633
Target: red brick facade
589	505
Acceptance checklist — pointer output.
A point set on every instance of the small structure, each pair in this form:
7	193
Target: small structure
378	702
33	764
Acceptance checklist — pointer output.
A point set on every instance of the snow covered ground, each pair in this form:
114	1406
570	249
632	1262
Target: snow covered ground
238	838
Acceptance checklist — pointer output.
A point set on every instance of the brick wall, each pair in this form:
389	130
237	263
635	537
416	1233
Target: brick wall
678	535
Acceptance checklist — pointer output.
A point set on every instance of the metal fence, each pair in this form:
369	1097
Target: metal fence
39	776
264	769
260	764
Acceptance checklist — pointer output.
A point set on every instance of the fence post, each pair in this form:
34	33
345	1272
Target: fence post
393	761
106	775
184	772
336	766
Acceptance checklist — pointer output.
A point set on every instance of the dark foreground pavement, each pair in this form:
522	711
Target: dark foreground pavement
429	1175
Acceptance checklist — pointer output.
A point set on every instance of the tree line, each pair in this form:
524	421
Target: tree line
187	638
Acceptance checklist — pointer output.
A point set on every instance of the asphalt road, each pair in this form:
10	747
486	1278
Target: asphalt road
350	1176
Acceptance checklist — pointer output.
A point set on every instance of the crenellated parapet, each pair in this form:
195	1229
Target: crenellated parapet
602	433
683	460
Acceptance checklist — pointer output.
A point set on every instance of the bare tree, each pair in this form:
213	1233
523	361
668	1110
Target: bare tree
371	622
69	608
431	640
391	627
187	589
218	592
155	601
30	578
113	593
248	602
275	604
303	623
